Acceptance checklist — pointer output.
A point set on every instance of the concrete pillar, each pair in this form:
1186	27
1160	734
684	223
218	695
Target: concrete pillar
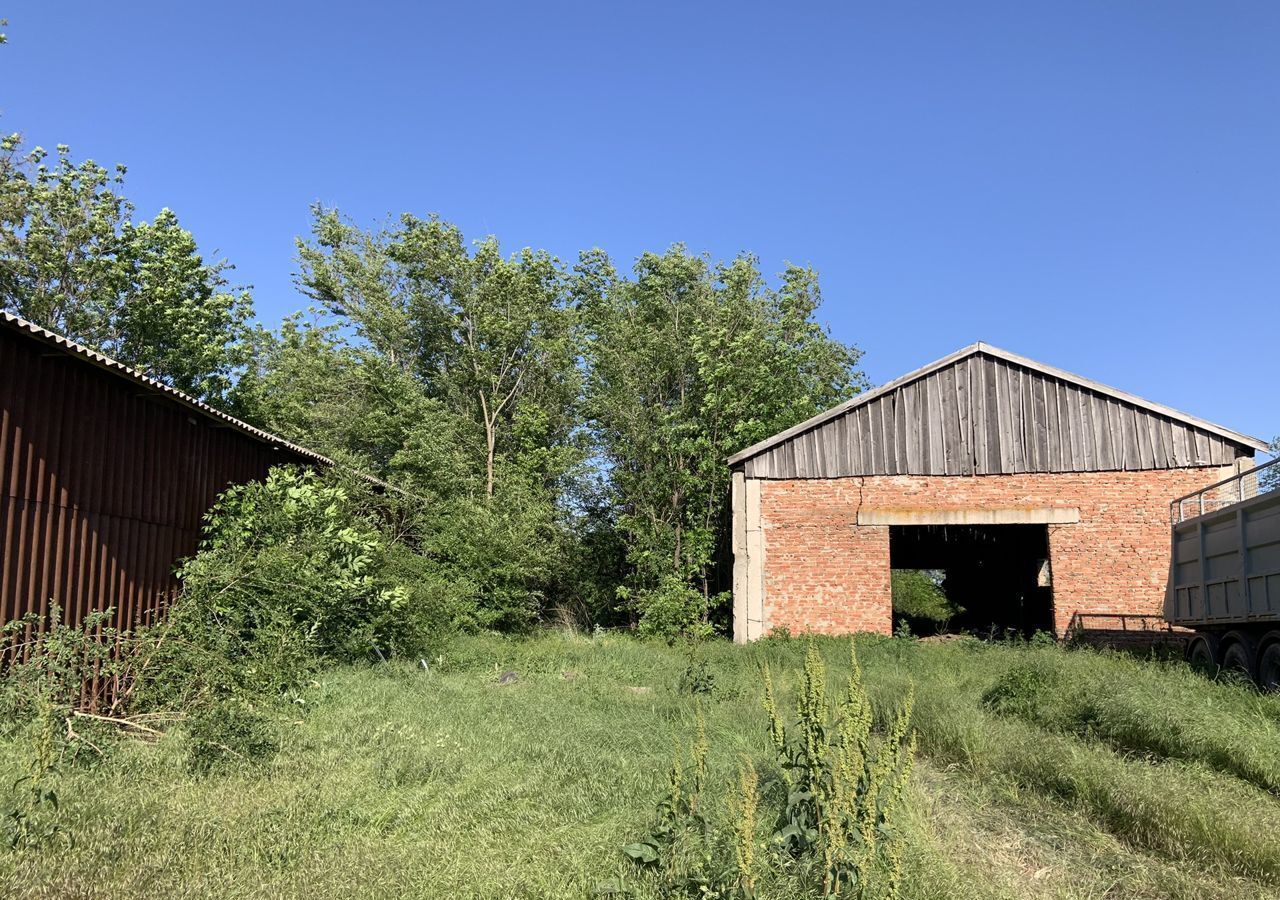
748	560
739	504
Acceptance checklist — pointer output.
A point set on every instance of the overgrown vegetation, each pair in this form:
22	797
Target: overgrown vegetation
74	258
835	794
297	572
544	779
330	707
565	425
919	599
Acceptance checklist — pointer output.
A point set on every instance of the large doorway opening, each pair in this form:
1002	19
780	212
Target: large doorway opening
995	578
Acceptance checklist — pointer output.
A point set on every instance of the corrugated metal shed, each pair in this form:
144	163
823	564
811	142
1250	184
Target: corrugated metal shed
105	475
985	411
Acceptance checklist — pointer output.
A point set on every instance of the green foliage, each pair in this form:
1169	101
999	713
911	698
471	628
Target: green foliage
840	828
73	260
838	831
687	364
1021	688
685	854
1271	479
918	595
672	607
500	554
309	384
292	570
567	429
50	665
698	679
31	813
491	337
461	384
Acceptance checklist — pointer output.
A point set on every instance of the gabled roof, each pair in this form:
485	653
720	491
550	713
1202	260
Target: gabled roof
44	335
984	349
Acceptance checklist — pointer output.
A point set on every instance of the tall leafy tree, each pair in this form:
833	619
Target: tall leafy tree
307	382
470	360
493	337
73	260
690	362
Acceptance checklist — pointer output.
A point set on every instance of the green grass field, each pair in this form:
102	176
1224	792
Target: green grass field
1083	775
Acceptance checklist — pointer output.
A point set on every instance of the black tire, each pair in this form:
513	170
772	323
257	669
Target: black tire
1269	663
1202	654
1239	656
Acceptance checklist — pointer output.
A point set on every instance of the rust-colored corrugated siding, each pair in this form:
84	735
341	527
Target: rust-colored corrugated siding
103	482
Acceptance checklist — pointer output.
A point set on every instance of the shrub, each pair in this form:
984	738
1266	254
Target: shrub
671	609
918	597
53	665
293	570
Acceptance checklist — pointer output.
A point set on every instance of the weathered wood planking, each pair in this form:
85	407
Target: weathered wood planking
985	415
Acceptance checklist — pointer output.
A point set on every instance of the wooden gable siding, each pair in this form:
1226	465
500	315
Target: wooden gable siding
984	415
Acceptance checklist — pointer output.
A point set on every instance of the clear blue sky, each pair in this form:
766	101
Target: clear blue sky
1092	184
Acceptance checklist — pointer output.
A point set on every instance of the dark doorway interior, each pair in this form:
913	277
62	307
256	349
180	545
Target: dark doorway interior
998	574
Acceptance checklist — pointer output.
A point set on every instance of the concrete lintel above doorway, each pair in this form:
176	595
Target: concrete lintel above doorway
1035	515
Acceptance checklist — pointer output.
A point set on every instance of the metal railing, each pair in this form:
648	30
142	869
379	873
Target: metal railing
1130	622
1245	485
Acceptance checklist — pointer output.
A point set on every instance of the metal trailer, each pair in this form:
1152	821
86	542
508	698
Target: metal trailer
1224	578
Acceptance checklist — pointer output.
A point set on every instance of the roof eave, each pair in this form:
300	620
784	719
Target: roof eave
120	370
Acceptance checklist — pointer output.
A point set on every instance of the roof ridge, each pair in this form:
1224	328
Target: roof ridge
982	347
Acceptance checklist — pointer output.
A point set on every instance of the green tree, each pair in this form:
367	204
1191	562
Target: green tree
918	594
1271	480
494	338
307	383
453	370
73	260
690	362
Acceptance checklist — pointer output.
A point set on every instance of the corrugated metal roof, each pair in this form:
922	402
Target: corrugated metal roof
69	346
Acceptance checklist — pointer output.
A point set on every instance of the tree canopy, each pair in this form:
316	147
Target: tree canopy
74	260
687	362
565	424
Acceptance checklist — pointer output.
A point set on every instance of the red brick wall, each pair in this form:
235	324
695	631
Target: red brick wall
824	573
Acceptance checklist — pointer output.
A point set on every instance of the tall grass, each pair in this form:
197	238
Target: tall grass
396	781
1161	709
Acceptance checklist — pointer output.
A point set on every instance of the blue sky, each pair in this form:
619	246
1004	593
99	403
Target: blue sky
1092	184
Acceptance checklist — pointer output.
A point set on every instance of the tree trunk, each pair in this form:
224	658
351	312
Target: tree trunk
491	440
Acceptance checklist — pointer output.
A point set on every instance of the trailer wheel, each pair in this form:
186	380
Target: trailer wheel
1239	655
1269	663
1202	654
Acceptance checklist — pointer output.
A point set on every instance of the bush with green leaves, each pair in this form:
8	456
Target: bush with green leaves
293	570
918	597
670	609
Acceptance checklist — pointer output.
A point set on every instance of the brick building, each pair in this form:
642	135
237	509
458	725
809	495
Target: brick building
1042	495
